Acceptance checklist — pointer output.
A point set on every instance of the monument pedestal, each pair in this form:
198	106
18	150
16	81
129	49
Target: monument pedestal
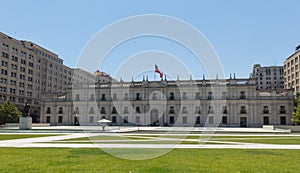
25	123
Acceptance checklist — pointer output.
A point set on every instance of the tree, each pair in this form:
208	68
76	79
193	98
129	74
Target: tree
9	113
296	114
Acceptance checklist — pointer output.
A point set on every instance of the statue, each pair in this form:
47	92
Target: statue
26	110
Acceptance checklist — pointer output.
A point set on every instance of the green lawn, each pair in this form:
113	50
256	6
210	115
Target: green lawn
21	136
178	160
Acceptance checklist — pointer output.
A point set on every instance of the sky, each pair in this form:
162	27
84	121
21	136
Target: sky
241	32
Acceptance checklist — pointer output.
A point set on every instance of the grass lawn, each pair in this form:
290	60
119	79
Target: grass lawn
178	160
21	136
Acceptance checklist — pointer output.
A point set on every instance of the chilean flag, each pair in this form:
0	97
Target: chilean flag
158	71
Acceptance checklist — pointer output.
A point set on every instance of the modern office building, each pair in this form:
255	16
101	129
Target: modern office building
224	102
291	71
29	70
270	77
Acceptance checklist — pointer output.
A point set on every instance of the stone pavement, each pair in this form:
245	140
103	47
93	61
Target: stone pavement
71	132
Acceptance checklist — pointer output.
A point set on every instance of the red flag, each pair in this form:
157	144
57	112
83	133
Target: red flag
158	71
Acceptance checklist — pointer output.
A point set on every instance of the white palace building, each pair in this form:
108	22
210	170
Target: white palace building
220	102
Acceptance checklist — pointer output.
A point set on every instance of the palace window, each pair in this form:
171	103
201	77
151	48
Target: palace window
210	95
198	95
137	96
137	109
60	110
171	120
198	120
225	111
184	110
266	110
114	111
48	110
224	119
172	96
125	120
172	110
210	110
184	96
243	110
282	110
126	110
92	110
103	97
60	119
184	120
91	119
197	110
242	95
102	110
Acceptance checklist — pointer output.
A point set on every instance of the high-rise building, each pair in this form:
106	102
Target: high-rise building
270	77
291	71
29	70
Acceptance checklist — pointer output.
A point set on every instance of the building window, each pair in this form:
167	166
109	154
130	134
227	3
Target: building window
224	120
184	120
225	111
210	120
125	120
137	119
114	110
198	95
102	110
154	96
224	95
266	110
48	110
125	110
265	120
77	97
171	96
48	119
171	119
198	120
76	110
60	110
210	95
115	96
184	96
60	119
197	110
242	95
114	119
282	110
91	119
282	120
137	96
103	97
92	110
243	110
172	110
92	97
184	110
137	109
210	110
126	96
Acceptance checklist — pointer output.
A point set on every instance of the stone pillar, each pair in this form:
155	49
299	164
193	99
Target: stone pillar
25	123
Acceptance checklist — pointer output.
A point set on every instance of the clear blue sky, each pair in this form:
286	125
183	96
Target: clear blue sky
242	33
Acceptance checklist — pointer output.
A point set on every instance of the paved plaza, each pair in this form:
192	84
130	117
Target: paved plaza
152	137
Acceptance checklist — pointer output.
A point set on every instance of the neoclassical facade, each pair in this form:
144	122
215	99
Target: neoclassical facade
219	102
